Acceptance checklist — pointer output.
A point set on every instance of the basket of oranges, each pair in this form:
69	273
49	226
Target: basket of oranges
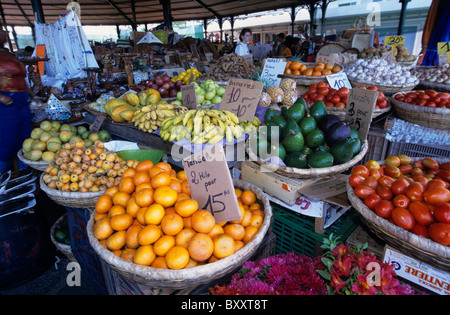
148	230
309	73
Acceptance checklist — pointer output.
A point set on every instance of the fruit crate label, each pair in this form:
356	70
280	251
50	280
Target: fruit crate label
210	183
188	96
241	97
443	48
272	68
338	80
394	40
96	124
360	106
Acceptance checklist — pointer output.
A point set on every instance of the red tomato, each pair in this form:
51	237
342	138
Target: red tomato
372	165
372	88
323	84
375	173
431	93
384	208
392	171
415	191
323	91
385	193
436	195
436	183
401	201
382	104
335	99
440	233
343	91
403	218
355	180
430	104
363	191
445	166
320	97
430	163
421	180
371	201
398	187
442	212
420	230
329	104
444	174
313	96
405	169
416	171
360	170
444	96
421	213
381	96
422	102
386	181
418	164
371	182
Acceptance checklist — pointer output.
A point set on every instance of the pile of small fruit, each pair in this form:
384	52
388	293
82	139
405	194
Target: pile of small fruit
185	76
150	219
319	68
208	92
337	98
429	98
414	195
50	136
77	168
150	117
285	94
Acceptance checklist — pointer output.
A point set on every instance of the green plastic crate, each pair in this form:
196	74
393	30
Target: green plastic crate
295	232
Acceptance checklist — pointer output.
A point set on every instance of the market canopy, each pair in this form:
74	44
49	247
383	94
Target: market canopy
135	12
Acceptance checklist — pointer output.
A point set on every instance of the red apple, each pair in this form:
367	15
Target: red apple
166	85
166	77
159	81
163	92
171	83
155	86
173	92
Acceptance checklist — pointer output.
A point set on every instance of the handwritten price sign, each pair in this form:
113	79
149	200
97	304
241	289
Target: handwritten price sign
241	97
272	68
443	48
394	40
188	96
338	80
360	106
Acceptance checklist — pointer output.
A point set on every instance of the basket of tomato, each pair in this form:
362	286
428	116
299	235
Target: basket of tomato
427	108
406	202
336	99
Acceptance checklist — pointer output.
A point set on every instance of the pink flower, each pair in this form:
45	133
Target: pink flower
362	287
337	283
340	250
343	266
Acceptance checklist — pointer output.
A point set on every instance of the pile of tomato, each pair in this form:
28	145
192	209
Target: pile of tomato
414	195
429	98
337	97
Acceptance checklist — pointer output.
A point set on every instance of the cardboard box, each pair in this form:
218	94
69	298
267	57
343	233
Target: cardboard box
428	277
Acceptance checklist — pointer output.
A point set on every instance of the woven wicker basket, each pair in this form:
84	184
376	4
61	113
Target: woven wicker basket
308	80
431	117
435	86
71	199
308	172
387	90
425	250
63	248
191	277
37	165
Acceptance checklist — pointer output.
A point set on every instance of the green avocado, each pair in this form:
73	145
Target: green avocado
284	110
318	110
343	150
307	124
356	146
297	160
354	133
279	120
296	111
270	112
291	125
320	159
314	138
293	142
273	130
307	151
323	147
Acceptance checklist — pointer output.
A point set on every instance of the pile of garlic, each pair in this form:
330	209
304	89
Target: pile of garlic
435	74
379	71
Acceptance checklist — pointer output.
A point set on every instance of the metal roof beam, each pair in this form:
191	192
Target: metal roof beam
204	6
121	12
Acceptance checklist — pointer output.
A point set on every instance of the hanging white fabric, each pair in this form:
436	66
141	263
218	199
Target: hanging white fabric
66	46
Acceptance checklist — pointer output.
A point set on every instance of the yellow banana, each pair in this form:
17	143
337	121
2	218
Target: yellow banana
234	118
229	134
187	116
218	137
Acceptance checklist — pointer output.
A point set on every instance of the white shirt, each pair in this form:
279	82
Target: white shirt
242	49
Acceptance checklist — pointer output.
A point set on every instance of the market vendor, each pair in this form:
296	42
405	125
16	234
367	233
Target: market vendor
15	114
245	37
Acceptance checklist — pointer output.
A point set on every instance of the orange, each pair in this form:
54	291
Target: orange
295	65
200	247
163	244
121	199
336	69
175	184
308	72
170	210
257	220
159	262
288	71
319	67
111	191
177	257
115	210
121	222
160	179
103	229
185	187
142	186
288	64
191	263
242	211
173	173
327	72
165	166
181	175
144	197
127	254
98	216
172	224
202	221
223	246
238	245
217	229
187	222
127	185
131	236
140	215
254	206
250	232
116	241
212	259
316	73
149	234
258	212
247	218
248	197
116	252
296	72
183	196
154	214
132	207
129	173
183	237
104	203
144	166
236	231
328	66
186	207
303	68
238	192
154	170
144	255
141	177
165	196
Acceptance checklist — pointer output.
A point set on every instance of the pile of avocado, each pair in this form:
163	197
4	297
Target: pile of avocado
308	139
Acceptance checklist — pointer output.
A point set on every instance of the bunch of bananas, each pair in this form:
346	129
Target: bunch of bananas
150	117
206	126
186	75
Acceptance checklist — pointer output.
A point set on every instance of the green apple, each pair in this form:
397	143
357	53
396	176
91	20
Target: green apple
209	81
207	102
216	99
220	91
200	98
177	102
210	95
197	89
179	96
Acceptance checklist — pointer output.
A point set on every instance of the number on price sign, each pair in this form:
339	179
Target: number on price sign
338	80
394	40
443	48
360	106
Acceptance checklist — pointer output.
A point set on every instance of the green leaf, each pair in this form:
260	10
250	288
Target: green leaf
327	262
324	274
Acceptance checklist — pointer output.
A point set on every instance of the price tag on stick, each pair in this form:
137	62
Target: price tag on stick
241	97
272	68
96	124
210	183
338	80
188	96
394	40
360	106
